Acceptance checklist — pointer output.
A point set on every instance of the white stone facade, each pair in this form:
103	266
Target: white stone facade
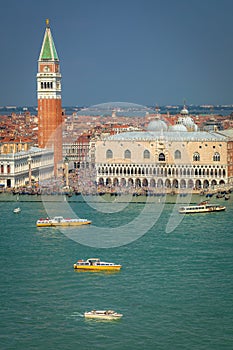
19	169
167	160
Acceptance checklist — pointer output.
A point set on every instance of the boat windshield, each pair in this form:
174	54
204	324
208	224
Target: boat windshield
94	260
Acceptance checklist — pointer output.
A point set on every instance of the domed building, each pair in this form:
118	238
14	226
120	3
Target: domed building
186	120
157	125
184	111
162	158
178	127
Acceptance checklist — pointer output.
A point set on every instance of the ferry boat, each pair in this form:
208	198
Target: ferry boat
201	208
103	314
96	265
60	221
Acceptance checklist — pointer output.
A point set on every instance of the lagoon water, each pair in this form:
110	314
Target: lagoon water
175	288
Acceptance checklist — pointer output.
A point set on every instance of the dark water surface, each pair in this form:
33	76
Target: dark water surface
175	289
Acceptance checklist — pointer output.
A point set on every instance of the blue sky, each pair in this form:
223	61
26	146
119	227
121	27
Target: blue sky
140	51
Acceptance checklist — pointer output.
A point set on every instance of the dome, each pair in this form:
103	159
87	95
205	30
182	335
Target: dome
178	127
184	111
188	122
181	120
157	125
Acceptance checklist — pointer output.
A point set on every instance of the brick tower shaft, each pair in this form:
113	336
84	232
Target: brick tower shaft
49	98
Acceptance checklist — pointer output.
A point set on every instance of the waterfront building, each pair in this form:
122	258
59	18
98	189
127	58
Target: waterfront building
25	167
49	98
78	152
229	135
176	157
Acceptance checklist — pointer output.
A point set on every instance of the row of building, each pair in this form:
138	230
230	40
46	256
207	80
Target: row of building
154	152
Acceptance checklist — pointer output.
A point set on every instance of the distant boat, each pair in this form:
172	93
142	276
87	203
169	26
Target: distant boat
17	210
94	264
201	208
103	314
60	221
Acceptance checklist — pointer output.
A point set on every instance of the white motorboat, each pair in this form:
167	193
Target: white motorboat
103	315
60	221
201	208
17	210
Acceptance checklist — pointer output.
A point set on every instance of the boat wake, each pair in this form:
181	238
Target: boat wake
77	314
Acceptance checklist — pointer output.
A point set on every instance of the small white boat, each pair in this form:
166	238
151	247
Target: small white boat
201	208
17	210
103	315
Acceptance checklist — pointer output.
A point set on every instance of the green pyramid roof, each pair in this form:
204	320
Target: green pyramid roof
48	50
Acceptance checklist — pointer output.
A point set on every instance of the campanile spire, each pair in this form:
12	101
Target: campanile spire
49	97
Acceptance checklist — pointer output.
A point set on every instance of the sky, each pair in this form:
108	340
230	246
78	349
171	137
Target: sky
149	52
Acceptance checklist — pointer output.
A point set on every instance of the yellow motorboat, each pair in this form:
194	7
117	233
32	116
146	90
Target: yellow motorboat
60	221
95	264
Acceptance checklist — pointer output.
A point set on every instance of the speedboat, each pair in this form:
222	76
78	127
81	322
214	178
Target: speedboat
96	264
103	314
60	221
17	210
201	208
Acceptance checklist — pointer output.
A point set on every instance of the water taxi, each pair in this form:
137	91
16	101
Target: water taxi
96	265
60	221
103	315
201	208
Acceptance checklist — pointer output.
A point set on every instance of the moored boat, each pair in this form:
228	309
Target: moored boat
96	265
201	208
103	314
60	221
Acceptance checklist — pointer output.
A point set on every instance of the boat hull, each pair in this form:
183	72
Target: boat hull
97	268
63	224
90	315
204	210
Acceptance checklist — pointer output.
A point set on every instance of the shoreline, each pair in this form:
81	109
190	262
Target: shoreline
106	197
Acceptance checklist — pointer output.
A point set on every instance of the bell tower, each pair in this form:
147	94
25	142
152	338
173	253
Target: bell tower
49	98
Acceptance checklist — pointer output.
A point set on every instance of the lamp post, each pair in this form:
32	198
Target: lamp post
30	171
66	163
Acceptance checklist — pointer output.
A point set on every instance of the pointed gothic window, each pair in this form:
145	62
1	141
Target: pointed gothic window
216	157
161	157
109	154
127	154
146	154
196	157
177	154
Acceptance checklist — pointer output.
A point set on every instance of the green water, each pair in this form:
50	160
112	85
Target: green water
175	289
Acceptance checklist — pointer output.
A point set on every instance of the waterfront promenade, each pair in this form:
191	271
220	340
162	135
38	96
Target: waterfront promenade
109	194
